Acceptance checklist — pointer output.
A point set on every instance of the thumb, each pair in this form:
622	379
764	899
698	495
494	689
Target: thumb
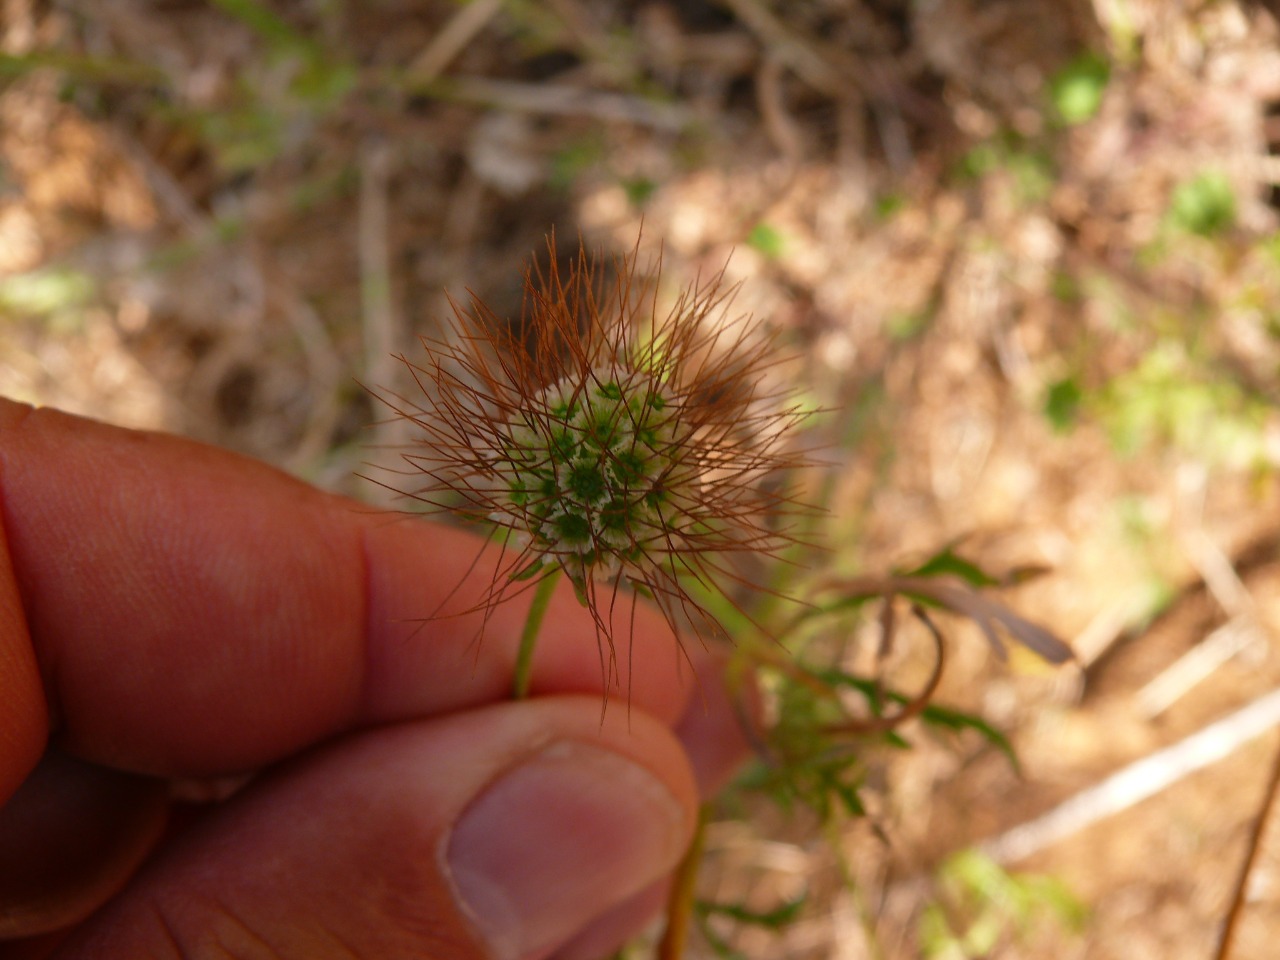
496	833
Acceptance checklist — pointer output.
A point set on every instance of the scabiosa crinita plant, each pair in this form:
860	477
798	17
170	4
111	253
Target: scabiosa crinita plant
605	439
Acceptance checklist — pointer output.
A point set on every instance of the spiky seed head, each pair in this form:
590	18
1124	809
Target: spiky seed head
625	446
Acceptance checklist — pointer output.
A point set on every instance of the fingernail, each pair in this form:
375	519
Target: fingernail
558	839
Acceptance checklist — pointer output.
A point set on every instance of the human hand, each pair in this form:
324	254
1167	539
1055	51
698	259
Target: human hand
173	612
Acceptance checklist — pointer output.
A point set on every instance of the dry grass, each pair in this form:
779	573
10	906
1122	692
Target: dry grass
217	223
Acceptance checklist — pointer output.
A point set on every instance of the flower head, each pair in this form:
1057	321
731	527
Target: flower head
600	437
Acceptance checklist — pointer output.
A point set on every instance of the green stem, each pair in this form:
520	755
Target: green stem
529	636
680	899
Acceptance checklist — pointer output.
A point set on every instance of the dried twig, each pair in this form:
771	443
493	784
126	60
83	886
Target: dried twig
378	316
557	99
380	340
1106	627
1160	693
1138	781
1219	575
453	38
325	371
1224	584
786	46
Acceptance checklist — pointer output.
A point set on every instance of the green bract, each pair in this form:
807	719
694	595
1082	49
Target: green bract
589	467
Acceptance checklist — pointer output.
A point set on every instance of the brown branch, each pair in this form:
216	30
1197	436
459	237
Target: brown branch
1251	854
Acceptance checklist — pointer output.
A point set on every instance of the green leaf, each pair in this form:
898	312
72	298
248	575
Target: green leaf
773	919
1077	89
888	204
266	24
639	190
767	239
948	562
85	69
942	717
47	291
1205	205
956	720
1062	404
982	905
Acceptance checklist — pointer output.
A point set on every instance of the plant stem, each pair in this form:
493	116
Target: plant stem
529	636
680	900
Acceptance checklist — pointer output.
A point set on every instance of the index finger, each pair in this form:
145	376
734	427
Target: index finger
195	612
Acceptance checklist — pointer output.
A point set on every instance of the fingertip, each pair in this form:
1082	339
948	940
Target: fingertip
24	725
715	727
69	839
499	832
24	714
607	933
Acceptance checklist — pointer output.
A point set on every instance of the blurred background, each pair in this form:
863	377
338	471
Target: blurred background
1026	254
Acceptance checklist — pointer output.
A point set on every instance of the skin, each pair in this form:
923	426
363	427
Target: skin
171	613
